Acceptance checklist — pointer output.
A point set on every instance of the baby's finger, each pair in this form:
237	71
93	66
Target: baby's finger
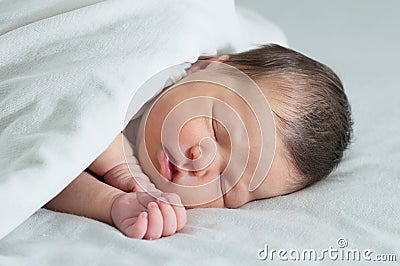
138	229
169	218
181	218
179	209
145	198
172	198
120	177
155	222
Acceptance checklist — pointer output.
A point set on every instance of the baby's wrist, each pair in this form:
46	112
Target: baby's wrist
113	198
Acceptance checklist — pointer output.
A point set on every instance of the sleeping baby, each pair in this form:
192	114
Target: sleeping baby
237	128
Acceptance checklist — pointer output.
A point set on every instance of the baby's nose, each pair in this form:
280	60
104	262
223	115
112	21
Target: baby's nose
195	157
202	160
195	153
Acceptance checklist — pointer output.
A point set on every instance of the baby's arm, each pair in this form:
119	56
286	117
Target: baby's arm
112	156
136	214
86	196
116	168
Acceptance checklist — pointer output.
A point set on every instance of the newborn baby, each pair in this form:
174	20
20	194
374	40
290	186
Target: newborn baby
218	138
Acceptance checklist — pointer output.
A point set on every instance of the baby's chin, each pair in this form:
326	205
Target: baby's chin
201	196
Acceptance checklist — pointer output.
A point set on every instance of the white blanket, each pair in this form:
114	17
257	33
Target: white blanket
68	70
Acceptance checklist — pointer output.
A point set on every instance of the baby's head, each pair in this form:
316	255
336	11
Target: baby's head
202	140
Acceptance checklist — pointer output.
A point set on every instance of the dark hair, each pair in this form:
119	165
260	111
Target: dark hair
315	124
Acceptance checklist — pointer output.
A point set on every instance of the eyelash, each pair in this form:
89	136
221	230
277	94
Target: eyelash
214	128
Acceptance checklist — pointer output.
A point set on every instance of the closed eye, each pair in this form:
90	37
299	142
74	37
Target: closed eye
214	126
214	123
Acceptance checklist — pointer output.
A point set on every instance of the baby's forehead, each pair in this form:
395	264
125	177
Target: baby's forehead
222	74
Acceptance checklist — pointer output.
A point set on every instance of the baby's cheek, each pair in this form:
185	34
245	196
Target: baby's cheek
235	201
193	132
197	195
190	181
217	203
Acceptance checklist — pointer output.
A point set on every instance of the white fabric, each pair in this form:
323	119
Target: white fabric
68	70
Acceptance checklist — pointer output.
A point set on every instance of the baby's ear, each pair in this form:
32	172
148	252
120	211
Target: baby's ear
205	61
221	58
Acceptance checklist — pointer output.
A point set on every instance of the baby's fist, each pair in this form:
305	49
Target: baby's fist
140	215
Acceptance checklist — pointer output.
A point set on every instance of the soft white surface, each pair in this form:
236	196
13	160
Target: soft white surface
358	202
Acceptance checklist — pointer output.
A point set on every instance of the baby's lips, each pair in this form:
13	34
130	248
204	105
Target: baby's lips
165	171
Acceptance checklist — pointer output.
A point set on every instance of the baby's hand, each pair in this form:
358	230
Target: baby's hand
140	215
121	177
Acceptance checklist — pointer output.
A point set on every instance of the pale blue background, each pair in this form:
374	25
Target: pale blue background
358	39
